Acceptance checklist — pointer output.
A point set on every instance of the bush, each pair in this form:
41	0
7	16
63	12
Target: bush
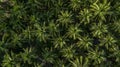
60	33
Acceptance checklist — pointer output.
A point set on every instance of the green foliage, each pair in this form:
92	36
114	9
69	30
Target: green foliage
59	33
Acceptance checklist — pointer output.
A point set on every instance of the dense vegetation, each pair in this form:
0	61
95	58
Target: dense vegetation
60	33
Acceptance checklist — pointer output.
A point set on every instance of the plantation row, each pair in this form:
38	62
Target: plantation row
60	33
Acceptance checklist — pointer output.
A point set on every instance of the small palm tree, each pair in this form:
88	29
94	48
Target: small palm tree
74	31
65	18
80	62
98	29
100	9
